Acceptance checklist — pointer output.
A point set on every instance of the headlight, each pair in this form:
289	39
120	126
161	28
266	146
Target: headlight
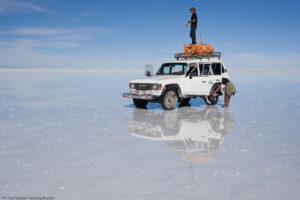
131	85
156	86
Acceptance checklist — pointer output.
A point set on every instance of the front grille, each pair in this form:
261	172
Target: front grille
143	86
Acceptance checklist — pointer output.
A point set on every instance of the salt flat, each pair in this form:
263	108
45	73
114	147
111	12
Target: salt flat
72	136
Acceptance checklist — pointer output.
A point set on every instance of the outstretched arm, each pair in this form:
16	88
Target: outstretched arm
219	88
192	21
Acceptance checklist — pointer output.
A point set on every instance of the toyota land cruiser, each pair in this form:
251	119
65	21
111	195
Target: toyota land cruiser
179	81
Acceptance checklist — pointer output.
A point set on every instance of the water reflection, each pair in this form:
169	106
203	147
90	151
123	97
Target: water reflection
193	133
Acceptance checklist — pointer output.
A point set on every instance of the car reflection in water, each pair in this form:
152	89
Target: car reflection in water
193	133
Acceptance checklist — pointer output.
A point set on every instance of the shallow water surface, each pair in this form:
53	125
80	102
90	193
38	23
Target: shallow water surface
73	136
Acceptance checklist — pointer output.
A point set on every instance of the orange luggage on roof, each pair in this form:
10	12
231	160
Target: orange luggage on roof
198	50
190	50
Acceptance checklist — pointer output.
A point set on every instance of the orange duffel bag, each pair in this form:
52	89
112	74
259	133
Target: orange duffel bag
198	49
190	50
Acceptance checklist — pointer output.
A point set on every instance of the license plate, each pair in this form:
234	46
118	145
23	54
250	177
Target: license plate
143	92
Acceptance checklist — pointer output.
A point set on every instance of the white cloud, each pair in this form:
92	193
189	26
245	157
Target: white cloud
36	31
23	53
44	31
100	30
28	46
5	44
11	6
74	36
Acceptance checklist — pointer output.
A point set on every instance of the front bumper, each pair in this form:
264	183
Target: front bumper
135	96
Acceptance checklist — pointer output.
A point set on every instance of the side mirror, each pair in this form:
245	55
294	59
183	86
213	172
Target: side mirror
190	76
149	70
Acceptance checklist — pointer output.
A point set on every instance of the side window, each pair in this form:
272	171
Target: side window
206	70
193	71
172	68
223	69
166	69
177	68
184	67
213	67
216	68
201	68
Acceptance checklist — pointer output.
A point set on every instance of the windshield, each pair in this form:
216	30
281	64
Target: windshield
172	69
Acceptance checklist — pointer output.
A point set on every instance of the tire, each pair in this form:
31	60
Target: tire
213	99
170	125
170	120
139	103
186	100
169	100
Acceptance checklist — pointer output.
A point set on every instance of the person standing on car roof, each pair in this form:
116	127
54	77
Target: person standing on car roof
193	23
229	90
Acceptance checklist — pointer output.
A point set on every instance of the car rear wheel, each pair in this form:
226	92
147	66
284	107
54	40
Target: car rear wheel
169	100
213	100
139	103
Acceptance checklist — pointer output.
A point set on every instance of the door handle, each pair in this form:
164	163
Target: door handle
218	79
203	81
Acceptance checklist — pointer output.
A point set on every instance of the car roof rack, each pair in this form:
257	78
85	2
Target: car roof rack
209	56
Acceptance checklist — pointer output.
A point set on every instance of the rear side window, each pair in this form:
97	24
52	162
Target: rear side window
206	70
201	68
223	69
216	68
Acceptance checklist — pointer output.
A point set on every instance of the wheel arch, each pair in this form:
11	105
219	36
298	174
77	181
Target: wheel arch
214	86
173	86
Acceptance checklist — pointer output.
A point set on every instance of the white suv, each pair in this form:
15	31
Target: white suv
179	81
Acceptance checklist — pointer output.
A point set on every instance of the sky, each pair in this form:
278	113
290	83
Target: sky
132	33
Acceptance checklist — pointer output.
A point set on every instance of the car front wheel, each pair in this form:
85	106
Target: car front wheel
169	100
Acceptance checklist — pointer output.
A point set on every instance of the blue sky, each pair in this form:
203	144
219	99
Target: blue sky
130	33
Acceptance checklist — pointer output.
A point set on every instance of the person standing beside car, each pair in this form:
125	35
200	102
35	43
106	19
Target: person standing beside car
193	23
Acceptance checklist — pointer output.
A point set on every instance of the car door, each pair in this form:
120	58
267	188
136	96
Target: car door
206	80
216	69
193	80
